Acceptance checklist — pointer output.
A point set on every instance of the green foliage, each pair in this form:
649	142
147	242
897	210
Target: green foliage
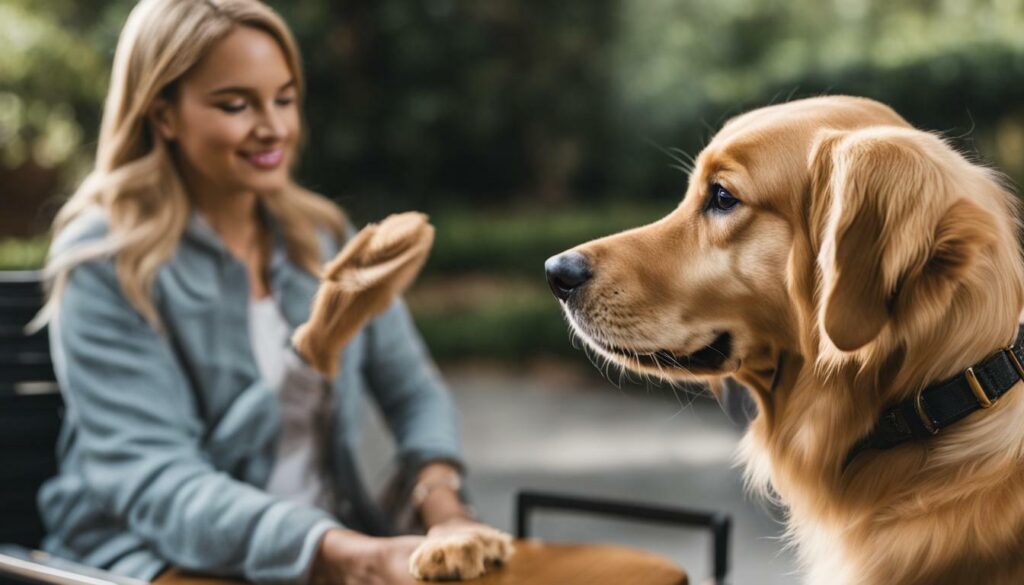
466	103
519	243
722	53
467	109
16	254
52	82
682	68
453	101
503	328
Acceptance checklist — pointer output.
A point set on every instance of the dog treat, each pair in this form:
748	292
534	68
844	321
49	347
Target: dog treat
362	281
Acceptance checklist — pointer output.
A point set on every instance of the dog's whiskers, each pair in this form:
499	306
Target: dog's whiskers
603	360
682	168
684	161
690	160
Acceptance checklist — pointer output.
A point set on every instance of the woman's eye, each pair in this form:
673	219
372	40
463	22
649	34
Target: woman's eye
721	198
284	101
232	107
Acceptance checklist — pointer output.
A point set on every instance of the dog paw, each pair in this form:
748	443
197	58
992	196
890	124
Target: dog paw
459	552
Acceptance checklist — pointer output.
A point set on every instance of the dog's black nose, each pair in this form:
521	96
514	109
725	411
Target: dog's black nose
566	272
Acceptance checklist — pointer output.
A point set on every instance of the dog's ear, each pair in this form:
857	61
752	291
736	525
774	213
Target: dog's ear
961	236
894	233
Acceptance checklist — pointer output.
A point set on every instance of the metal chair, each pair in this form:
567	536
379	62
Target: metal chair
527	502
30	410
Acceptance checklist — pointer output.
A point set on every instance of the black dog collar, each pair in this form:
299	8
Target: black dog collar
937	406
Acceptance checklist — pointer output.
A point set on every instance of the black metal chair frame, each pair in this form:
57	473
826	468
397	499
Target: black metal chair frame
720	524
30	409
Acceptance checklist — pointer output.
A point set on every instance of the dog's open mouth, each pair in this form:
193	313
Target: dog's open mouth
709	358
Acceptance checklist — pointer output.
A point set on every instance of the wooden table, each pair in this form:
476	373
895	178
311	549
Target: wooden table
538	563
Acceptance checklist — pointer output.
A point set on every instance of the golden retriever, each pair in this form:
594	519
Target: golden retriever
835	260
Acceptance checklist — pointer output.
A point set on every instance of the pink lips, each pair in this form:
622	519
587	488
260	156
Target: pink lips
269	159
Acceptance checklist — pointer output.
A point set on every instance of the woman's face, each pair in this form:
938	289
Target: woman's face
234	117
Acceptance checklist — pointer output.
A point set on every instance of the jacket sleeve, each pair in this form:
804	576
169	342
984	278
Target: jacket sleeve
408	387
141	437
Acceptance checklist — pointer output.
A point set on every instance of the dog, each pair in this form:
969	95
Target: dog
840	264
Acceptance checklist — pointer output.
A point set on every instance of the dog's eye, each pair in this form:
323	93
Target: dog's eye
721	199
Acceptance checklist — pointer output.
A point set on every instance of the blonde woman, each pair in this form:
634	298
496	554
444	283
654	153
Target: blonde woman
195	436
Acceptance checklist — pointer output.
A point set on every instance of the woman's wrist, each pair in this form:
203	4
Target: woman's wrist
436	496
441	506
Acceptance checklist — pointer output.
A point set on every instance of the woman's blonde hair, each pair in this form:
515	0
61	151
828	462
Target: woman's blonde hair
135	181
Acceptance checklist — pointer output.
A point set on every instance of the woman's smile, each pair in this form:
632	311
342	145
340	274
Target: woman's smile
265	159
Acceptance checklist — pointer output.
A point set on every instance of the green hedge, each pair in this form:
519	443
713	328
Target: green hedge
16	254
518	243
508	332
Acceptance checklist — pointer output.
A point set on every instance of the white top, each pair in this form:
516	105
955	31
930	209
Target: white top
305	405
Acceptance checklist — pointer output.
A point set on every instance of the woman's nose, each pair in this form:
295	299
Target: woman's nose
270	126
566	273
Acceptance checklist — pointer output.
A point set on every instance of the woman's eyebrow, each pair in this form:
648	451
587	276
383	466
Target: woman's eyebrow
247	90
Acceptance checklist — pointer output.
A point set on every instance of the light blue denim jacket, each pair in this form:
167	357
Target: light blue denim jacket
169	437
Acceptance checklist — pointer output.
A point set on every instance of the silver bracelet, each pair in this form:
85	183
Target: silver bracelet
422	489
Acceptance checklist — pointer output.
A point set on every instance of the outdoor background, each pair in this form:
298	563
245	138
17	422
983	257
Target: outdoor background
524	127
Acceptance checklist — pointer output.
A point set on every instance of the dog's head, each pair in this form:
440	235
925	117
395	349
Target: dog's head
825	227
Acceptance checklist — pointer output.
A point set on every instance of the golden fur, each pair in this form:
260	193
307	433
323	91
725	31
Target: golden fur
865	260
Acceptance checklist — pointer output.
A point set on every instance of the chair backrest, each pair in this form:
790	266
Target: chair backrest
30	409
718	523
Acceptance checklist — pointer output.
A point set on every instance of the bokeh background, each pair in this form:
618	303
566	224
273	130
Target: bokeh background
524	127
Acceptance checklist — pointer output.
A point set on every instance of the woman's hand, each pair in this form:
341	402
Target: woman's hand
349	558
373	268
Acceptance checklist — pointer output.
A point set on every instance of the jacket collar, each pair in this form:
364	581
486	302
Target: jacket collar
291	286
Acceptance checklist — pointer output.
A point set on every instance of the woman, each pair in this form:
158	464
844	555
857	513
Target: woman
194	437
